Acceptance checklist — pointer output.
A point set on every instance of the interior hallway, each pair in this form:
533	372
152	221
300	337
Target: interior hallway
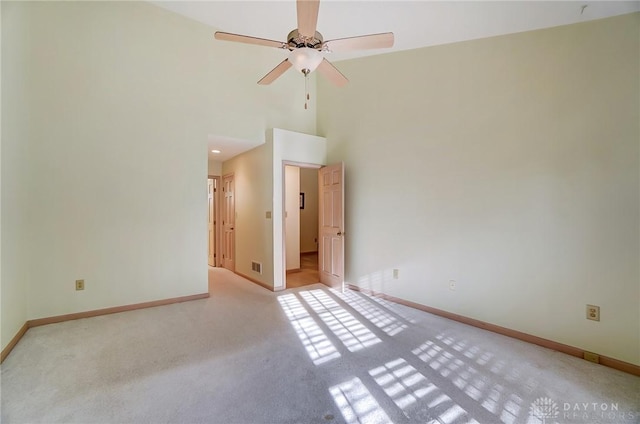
312	355
308	273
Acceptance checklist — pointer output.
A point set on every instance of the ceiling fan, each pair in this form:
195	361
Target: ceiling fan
307	47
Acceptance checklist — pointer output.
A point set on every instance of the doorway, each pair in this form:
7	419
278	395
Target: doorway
228	223
301	225
213	235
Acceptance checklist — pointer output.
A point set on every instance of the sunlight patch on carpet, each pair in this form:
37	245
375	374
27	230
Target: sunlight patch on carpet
318	346
381	319
420	399
351	332
457	365
356	404
393	307
402	382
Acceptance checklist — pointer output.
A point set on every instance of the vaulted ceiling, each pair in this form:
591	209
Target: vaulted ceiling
415	23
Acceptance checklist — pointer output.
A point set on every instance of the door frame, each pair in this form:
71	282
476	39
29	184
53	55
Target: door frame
223	246
217	239
284	208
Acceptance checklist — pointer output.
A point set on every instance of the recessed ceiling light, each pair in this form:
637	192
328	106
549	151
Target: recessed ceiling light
215	151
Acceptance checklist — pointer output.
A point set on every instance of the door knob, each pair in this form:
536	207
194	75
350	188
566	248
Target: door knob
340	233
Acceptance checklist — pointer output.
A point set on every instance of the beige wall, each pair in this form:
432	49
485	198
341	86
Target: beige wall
14	171
253	198
107	107
215	168
292	216
259	179
510	165
309	215
12	316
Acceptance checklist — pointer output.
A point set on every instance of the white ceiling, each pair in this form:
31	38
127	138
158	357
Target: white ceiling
415	23
228	146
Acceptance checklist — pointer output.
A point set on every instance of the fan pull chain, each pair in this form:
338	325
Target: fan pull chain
306	89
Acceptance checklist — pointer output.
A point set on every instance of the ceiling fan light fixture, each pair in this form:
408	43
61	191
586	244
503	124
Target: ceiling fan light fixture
305	59
307	46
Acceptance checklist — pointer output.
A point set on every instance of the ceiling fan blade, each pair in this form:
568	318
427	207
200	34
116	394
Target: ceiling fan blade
307	17
373	41
275	72
227	36
331	73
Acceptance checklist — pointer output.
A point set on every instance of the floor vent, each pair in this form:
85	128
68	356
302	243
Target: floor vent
256	267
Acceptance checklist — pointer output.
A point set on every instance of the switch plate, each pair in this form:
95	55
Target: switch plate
452	285
268	214
396	272
593	312
79	284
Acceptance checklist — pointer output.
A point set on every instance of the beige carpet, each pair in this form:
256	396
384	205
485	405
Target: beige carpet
307	355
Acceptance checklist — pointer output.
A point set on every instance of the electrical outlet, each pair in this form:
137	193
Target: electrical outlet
452	285
395	274
593	312
79	284
591	357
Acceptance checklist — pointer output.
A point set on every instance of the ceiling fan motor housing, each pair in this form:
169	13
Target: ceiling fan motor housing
296	41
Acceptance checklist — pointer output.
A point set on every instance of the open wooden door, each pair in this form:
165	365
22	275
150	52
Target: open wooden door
228	222
212	244
331	225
